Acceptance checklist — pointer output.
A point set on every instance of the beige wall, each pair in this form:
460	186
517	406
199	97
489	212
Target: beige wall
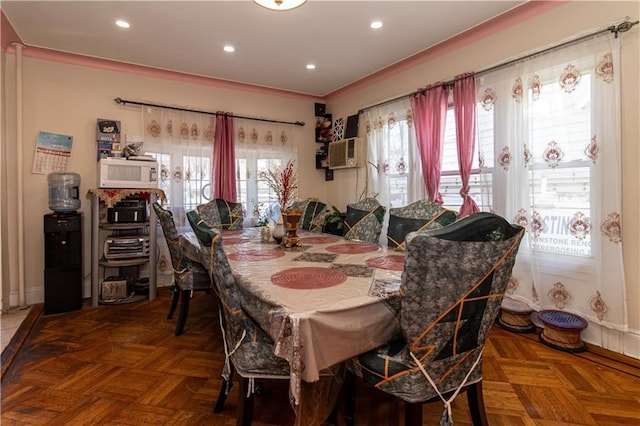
67	99
544	30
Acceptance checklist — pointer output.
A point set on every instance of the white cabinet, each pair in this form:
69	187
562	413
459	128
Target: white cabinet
124	264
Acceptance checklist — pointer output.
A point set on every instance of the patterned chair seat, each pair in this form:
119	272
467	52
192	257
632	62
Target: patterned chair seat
363	221
221	214
452	287
423	214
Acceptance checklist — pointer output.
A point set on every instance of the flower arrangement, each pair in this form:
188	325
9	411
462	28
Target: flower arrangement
262	213
284	182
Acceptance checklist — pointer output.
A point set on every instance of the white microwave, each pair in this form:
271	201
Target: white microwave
122	173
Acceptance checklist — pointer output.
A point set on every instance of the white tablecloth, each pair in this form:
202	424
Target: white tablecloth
313	327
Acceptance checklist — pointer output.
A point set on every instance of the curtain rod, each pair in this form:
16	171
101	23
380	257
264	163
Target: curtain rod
124	102
615	29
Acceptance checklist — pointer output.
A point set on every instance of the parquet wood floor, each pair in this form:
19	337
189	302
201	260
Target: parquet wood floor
122	365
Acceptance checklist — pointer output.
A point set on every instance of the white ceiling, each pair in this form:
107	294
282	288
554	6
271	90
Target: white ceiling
272	48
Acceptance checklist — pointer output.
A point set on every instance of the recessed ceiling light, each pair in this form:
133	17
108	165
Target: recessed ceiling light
122	23
311	66
229	49
376	24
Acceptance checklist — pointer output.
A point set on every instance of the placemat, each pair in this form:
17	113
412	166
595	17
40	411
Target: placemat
324	239
256	255
391	262
308	278
235	240
351	248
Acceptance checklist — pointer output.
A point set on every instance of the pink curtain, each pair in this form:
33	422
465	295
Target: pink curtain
224	159
430	112
464	108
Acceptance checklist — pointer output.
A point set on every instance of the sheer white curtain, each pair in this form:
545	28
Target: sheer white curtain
260	146
557	172
394	171
182	142
391	153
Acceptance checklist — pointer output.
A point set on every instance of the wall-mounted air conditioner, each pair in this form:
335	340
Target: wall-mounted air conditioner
344	153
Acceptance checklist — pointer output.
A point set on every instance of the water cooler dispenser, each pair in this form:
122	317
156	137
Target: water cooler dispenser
63	245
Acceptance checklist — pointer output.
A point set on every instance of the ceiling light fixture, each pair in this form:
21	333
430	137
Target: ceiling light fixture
122	23
229	49
311	66
280	4
376	24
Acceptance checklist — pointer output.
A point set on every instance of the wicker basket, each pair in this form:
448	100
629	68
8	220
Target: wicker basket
562	330
515	316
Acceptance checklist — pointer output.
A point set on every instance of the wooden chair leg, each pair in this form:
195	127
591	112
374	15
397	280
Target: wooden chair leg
332	419
245	404
174	301
184	311
349	389
226	387
413	414
476	404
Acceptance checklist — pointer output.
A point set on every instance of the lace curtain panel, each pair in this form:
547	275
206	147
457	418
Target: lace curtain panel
261	146
392	151
557	173
182	142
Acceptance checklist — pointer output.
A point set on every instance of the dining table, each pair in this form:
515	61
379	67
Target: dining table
322	303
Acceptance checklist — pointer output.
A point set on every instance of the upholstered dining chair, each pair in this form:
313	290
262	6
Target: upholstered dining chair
313	211
189	275
451	290
249	351
417	216
363	221
221	214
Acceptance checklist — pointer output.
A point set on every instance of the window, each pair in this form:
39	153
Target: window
480	180
258	200
185	179
398	167
560	126
260	146
397	170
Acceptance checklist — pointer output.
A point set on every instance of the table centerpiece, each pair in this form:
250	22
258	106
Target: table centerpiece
284	183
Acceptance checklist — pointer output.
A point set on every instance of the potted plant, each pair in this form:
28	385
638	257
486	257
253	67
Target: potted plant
334	222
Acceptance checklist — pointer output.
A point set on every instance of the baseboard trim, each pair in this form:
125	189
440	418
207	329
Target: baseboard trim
11	350
599	355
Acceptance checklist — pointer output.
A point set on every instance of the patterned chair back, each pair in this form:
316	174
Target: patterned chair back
215	260
363	220
418	216
313	211
221	214
452	287
178	261
186	272
245	342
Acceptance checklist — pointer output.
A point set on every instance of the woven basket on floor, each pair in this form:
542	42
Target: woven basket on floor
515	316
562	330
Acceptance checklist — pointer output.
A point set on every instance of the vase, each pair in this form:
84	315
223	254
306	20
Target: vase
265	234
291	222
278	230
